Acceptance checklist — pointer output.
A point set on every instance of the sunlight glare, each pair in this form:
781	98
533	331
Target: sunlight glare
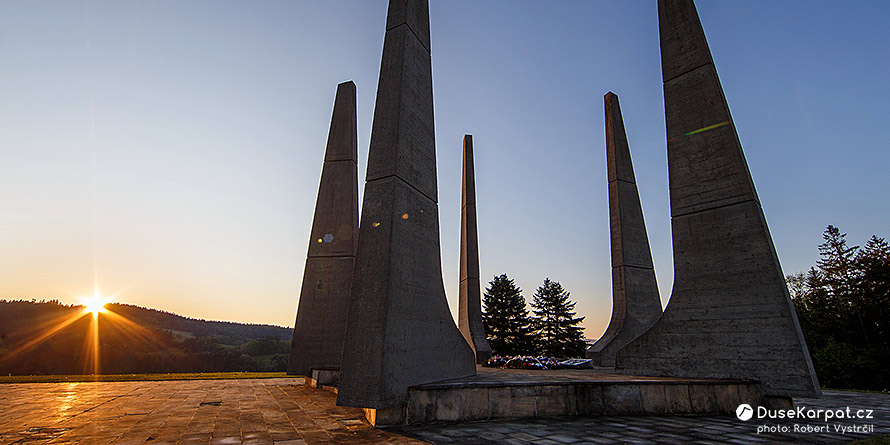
94	304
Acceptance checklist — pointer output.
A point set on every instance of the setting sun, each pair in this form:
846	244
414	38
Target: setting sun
94	304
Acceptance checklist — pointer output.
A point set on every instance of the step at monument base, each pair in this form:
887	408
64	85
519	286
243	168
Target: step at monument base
323	378
495	394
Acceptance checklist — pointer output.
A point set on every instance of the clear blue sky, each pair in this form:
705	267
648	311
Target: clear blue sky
173	148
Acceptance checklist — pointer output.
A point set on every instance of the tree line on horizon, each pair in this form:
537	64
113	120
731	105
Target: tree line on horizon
155	342
843	305
552	329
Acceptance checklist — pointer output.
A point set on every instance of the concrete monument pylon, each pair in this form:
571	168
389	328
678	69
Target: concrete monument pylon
635	301
730	315
400	331
327	279
469	318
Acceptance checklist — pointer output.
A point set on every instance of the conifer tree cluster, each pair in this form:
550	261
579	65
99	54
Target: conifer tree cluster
555	323
553	330
843	304
506	319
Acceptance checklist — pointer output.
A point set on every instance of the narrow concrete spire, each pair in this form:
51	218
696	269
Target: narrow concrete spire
635	301
730	315
327	279
400	330
470	298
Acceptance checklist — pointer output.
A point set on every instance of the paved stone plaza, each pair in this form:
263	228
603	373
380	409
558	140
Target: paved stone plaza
283	411
195	411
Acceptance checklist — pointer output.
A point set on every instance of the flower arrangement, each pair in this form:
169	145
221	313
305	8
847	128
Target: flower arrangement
496	361
550	362
524	363
527	362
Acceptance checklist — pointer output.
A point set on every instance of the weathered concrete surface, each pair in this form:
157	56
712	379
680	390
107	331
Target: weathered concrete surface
327	279
495	394
469	318
729	315
669	430
635	301
400	330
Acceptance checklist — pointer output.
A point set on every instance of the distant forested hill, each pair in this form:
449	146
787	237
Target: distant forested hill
230	332
47	337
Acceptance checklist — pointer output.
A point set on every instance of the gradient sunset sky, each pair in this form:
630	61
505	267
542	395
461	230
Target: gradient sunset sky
170	151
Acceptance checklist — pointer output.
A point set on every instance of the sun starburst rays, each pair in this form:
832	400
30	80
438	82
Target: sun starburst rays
93	306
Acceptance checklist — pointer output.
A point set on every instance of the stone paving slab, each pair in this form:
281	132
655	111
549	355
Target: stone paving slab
283	411
194	411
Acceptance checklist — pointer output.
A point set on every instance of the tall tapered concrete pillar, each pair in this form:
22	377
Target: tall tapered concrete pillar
327	279
400	331
635	301
469	318
729	314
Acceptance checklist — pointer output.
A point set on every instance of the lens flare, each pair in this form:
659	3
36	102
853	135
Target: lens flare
700	130
709	127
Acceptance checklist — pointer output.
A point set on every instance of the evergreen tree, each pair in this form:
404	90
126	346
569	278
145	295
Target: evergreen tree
873	262
843	304
816	309
506	318
559	333
840	276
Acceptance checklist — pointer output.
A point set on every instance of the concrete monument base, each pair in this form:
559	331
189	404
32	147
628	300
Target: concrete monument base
386	416
495	394
320	378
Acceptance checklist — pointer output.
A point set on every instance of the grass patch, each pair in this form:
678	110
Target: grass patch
883	439
870	391
139	377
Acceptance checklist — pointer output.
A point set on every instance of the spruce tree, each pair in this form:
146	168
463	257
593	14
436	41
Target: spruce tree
873	261
843	304
506	319
841	277
557	328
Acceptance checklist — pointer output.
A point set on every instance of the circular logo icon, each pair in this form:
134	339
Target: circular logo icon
744	411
